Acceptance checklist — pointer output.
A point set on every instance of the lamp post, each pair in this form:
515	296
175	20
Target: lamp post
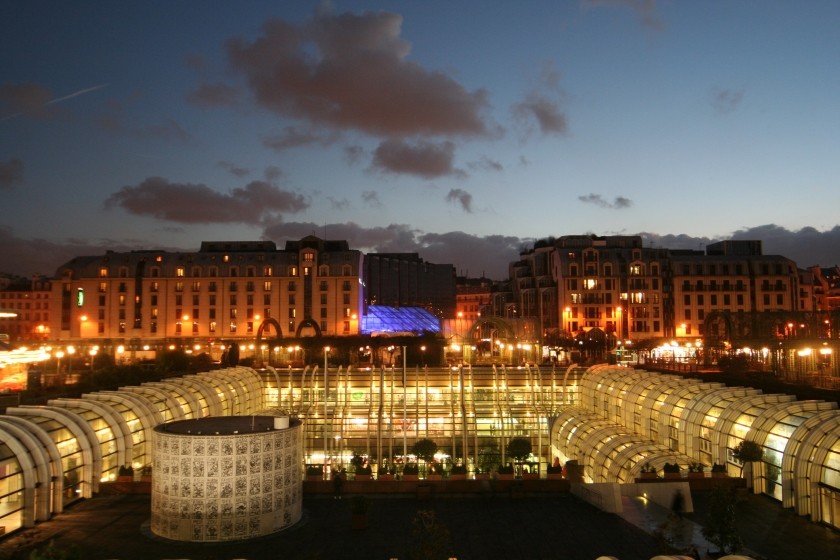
326	393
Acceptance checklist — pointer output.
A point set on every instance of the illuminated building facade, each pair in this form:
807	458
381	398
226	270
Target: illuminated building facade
225	291
612	420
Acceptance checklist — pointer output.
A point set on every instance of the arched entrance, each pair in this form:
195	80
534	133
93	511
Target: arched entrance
270	322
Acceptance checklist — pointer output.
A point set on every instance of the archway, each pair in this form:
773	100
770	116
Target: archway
272	323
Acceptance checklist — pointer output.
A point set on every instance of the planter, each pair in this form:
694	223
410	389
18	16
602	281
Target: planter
458	477
362	477
672	476
554	476
385	477
314	477
531	476
482	476
434	477
648	476
720	475
358	521
506	476
411	477
696	474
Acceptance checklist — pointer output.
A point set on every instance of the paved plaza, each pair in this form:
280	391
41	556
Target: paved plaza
534	527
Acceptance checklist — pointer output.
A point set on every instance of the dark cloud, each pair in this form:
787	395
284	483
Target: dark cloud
598	200
214	95
807	246
28	99
294	137
371	198
233	169
645	9
11	173
272	173
470	254
199	204
26	257
725	100
462	197
338	204
112	120
485	163
423	159
353	154
544	111
350	71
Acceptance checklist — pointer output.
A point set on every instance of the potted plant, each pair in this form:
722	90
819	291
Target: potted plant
554	471
359	506
425	449
125	474
386	472
696	470
573	470
519	449
747	452
410	471
482	473
146	474
719	471
361	467
648	471
314	472
505	472
671	470
434	472
458	472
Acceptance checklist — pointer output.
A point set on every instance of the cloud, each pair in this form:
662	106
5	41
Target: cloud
353	154
199	204
598	200
725	100
350	71
645	9
214	95
169	129
371	198
485	163
32	100
28	99
470	254
233	169
338	204
428	160
294	137
11	173
462	197
544	111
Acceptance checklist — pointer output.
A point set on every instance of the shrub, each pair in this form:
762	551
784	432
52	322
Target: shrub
458	469
411	468
519	448
671	468
425	449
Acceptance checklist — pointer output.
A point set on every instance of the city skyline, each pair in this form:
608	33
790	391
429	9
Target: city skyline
463	132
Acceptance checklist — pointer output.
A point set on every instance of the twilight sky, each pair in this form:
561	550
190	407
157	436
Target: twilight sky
459	130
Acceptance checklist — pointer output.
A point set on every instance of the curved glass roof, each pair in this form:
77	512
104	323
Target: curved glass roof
398	320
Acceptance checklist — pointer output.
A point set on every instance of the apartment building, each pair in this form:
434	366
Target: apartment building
225	290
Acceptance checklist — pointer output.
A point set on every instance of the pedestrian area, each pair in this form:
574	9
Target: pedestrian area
550	526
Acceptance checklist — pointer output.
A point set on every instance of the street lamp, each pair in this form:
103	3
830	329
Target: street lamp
326	394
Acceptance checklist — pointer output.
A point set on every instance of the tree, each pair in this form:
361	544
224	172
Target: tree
429	538
519	449
747	452
425	449
719	528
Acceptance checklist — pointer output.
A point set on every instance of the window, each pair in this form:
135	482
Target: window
266	286
293	271
291	299
103	272
233	313
292	313
345	285
249	286
308	257
212	326
233	271
196	286
250	271
179	286
292	286
232	299
323	299
323	312
179	272
268	271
